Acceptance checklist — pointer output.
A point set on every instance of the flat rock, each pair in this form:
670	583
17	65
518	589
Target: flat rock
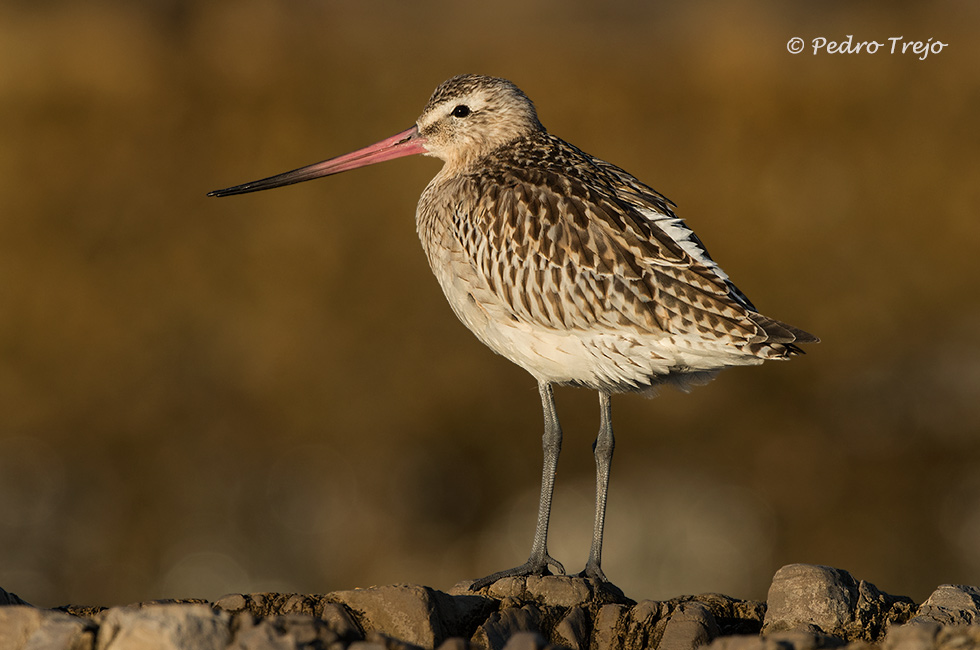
559	591
398	611
163	627
690	625
951	605
23	627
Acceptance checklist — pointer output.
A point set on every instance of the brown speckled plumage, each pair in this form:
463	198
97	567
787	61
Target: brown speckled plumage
566	265
549	242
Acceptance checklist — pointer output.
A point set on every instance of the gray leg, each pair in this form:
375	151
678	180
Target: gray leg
603	448
539	561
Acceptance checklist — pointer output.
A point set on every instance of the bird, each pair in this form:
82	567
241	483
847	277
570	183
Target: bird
566	265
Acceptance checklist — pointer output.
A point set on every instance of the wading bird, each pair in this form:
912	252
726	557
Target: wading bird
566	265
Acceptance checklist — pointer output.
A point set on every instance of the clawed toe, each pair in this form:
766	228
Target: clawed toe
600	577
593	571
533	567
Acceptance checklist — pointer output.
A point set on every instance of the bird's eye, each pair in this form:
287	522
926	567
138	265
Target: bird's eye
461	111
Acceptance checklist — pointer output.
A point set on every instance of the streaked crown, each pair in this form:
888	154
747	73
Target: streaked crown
469	116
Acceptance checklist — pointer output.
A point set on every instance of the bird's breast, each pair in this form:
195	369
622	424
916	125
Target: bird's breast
499	308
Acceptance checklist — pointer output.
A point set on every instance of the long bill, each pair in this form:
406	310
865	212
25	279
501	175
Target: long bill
406	143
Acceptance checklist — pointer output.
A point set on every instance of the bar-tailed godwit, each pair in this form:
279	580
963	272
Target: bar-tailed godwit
566	265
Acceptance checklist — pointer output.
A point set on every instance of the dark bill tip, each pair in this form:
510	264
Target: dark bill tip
406	143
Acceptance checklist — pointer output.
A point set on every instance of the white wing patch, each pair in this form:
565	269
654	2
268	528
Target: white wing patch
677	230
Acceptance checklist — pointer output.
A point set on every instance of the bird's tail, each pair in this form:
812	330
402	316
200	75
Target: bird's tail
780	339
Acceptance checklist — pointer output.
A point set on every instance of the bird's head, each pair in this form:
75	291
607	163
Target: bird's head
470	116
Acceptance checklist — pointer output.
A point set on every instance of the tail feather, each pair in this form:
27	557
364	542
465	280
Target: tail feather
780	338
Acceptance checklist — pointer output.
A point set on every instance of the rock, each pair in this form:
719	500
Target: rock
957	637
513	587
7	598
378	641
691	625
555	591
300	604
608	630
306	630
803	595
338	619
951	605
572	631
732	615
921	636
270	604
260	634
559	591
875	612
163	627
286	632
789	640
232	603
373	641
461	614
743	642
333	616
502	625
526	641
645	624
401	612
686	622
810	608
930	635
822	600
368	645
23	627
455	643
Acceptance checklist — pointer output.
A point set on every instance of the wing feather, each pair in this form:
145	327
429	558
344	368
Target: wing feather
570	242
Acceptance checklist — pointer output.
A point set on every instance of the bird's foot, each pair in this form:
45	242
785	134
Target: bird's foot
592	570
533	567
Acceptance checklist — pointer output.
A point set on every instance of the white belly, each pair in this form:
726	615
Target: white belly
614	361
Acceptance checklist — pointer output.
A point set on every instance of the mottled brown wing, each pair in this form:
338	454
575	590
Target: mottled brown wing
582	250
773	337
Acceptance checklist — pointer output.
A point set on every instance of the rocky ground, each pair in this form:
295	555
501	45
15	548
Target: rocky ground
808	607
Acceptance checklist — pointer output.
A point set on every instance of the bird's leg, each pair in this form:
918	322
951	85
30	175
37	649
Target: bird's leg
603	449
551	445
539	561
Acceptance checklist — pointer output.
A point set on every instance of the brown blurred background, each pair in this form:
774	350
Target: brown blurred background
201	396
